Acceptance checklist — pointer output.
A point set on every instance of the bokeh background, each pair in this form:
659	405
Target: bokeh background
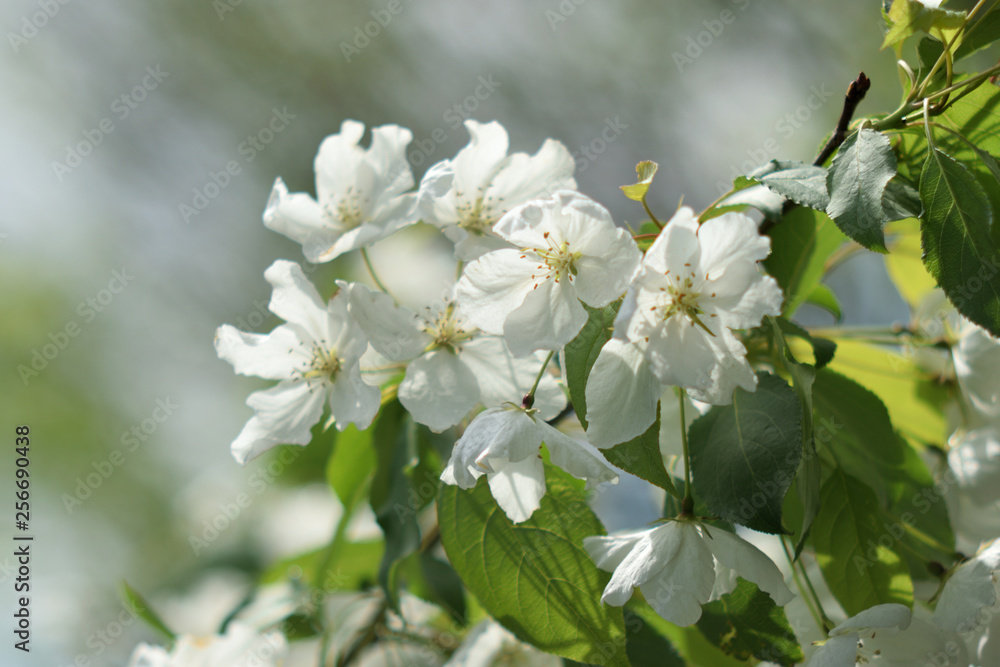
111	293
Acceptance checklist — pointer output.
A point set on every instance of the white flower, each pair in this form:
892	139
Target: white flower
970	589
977	365
974	495
569	250
696	285
490	644
239	647
679	565
359	194
847	640
502	443
452	366
315	355
465	196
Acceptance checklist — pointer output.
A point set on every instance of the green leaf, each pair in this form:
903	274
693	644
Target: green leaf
981	34
646	646
958	249
909	17
582	352
803	183
688	641
823	297
860	571
349	469
800	247
534	577
646	170
355	567
744	455
900	199
747	623
135	602
435	581
641	456
823	348
858	176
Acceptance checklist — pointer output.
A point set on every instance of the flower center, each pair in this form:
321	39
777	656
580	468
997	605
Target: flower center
557	260
478	216
446	329
682	299
348	212
323	366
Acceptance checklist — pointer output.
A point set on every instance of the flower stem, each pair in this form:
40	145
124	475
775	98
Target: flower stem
529	398
687	505
650	214
822	621
373	274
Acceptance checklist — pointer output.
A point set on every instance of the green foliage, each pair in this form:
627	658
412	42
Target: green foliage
744	455
857	181
644	645
645	170
747	622
134	600
641	457
534	577
800	247
803	183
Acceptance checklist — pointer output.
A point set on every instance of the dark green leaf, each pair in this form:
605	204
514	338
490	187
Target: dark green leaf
851	538
900	199
135	602
747	623
534	577
862	168
958	248
800	247
744	455
823	348
983	32
646	646
823	297
582	352
804	184
350	467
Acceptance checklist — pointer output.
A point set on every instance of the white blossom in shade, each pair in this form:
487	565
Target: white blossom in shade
696	285
969	590
467	195
977	366
489	644
239	647
974	458
680	565
502	443
568	251
846	641
314	355
451	367
361	194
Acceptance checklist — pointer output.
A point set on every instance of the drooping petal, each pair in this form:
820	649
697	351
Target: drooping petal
646	558
548	318
608	551
439	390
889	615
498	433
392	330
750	563
518	486
296	300
283	414
621	395
578	458
503	377
273	356
492	287
685	582
970	589
352	401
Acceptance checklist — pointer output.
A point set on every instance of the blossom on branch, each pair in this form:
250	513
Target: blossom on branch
315	355
467	195
360	194
568	251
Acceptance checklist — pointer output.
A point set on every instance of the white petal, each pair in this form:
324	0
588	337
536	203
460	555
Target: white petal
609	551
524	178
621	395
272	356
579	459
283	414
438	390
920	644
518	487
390	329
549	317
679	589
339	160
649	554
974	457
352	401
676	245
498	433
435	184
388	157
493	286
503	378
977	365
750	563
299	217
889	615
970	589
346	336
470	247
296	300
731	238
841	651
760	296
477	163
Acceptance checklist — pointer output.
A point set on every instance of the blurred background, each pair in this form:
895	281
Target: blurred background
125	242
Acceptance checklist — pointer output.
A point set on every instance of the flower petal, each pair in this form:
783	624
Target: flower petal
970	589
477	163
392	330
518	487
439	390
578	458
549	317
283	414
750	563
272	356
492	287
676	245
352	401
621	395
840	651
889	615
299	217
339	160
496	433
527	177
296	300
731	238
503	377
